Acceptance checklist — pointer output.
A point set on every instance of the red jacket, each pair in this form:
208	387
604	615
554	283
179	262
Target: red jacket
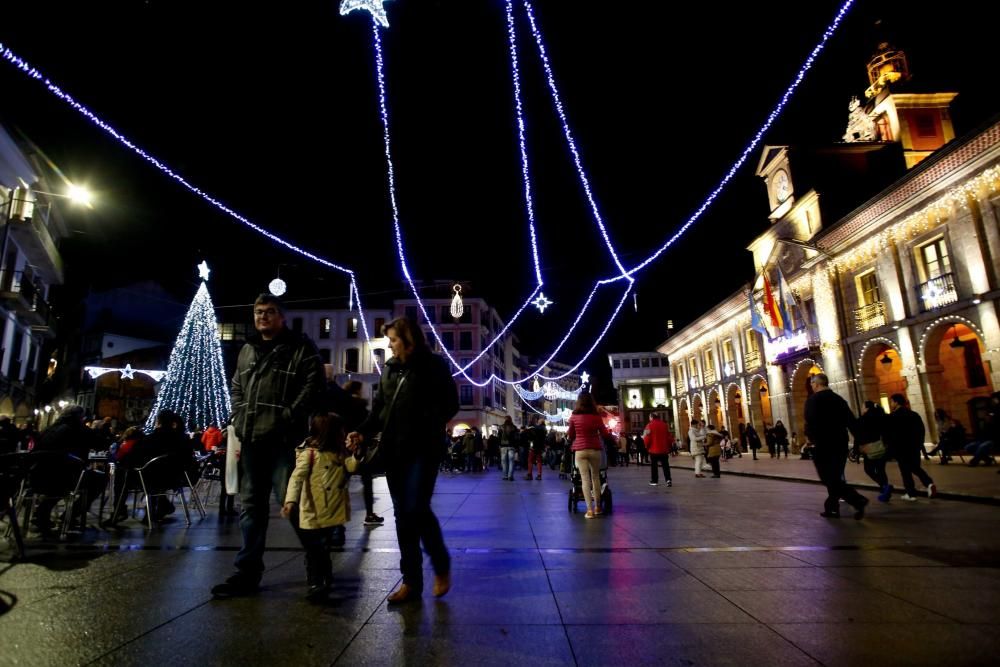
212	438
585	432
657	437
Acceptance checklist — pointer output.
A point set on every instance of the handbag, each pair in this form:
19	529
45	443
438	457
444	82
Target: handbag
233	447
371	460
874	450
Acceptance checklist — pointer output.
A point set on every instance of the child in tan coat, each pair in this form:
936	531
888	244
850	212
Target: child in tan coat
317	497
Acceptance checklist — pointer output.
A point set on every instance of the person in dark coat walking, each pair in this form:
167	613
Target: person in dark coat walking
780	439
753	440
870	427
828	421
904	436
417	396
278	382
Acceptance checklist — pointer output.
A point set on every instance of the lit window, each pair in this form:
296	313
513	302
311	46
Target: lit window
352	327
659	396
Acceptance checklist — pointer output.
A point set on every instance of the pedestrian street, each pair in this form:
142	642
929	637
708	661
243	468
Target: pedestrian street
730	571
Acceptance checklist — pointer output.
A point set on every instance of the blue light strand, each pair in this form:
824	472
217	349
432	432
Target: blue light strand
577	160
34	73
827	34
397	228
356	298
23	65
519	111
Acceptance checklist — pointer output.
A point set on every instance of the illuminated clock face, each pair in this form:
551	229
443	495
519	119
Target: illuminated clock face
782	188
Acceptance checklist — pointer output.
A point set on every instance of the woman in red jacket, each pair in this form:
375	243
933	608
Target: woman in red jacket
586	433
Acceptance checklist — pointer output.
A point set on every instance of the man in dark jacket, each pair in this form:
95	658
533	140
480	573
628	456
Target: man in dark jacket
828	420
536	438
71	436
8	435
279	379
904	436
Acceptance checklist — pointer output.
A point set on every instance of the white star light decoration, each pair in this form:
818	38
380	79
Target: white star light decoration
203	270
127	373
373	7
585	377
541	303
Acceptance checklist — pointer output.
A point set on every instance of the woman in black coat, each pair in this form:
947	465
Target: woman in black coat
416	398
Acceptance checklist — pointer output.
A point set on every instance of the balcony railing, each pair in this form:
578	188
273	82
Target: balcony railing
22	295
751	360
710	376
938	292
728	369
694	383
869	317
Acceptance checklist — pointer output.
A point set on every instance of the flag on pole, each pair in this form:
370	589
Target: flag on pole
771	308
786	299
755	321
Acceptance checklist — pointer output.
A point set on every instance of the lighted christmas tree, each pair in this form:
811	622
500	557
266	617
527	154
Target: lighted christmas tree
195	386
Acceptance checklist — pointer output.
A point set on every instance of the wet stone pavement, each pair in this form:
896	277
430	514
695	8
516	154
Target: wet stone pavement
731	571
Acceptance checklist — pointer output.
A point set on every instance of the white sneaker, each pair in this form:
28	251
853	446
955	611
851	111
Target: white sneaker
908	497
932	490
670	482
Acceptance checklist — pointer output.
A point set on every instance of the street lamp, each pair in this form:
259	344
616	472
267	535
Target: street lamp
75	193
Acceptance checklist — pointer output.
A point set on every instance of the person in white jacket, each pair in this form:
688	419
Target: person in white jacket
698	435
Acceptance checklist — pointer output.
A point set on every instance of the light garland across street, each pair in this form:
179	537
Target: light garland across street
376	11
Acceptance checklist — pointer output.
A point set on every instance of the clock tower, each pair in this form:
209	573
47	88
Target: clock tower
774	170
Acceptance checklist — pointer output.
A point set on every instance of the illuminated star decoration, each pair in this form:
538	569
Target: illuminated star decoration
203	270
128	373
585	377
541	303
373	7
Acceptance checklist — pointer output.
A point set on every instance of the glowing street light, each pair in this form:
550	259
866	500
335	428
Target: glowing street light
80	195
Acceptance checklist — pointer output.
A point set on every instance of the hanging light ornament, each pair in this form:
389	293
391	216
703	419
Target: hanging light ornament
457	306
277	287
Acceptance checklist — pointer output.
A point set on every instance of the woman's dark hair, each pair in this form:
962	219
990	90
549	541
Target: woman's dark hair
353	387
326	433
585	404
411	335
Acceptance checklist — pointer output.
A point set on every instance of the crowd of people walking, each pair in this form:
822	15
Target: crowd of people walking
301	437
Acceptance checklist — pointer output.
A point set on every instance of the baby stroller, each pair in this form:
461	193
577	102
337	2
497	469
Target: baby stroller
576	490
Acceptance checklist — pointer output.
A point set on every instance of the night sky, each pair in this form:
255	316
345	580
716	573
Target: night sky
272	108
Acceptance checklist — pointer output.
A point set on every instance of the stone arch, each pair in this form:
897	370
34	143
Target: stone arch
683	418
7	406
760	403
697	407
801	390
713	411
734	408
880	372
958	378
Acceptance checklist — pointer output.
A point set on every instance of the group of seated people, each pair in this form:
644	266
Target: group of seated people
69	434
953	438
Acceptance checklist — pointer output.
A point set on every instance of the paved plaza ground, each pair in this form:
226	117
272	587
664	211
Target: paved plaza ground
732	571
